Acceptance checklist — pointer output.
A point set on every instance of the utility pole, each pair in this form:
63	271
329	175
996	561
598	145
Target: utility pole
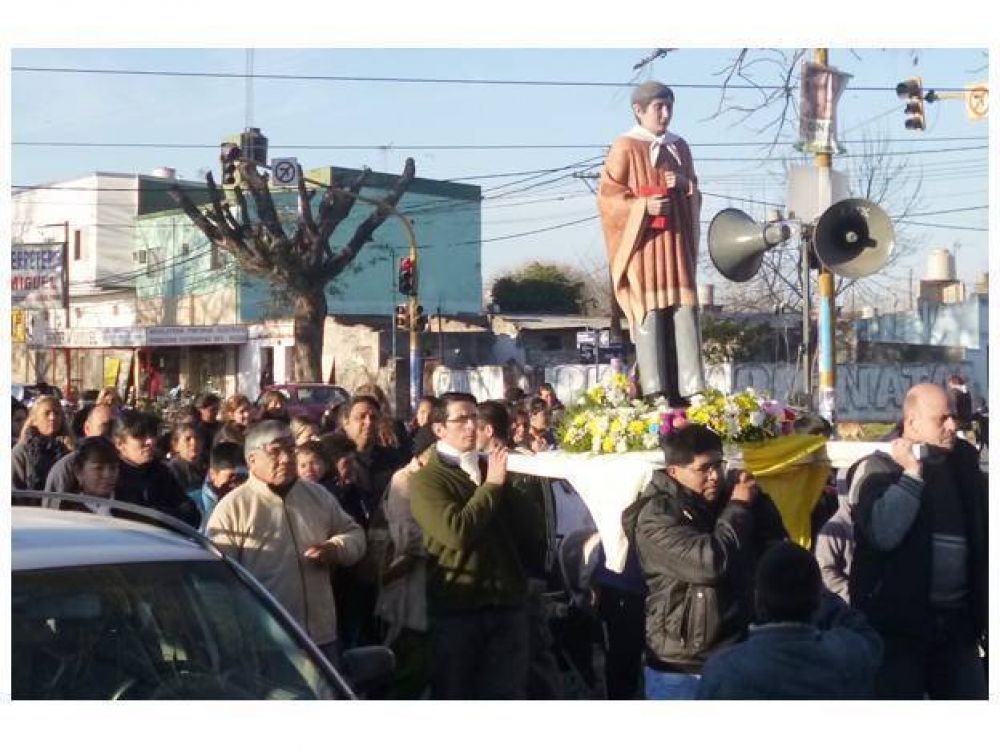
827	401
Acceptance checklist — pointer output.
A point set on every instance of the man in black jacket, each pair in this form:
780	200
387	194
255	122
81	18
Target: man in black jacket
698	540
142	478
919	568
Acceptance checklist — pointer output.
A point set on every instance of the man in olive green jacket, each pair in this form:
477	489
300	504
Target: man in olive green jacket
476	582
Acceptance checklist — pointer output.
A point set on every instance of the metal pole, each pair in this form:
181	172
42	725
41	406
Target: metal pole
805	250
65	300
392	314
827	400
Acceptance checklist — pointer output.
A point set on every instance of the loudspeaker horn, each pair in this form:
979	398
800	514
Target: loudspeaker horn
736	243
854	238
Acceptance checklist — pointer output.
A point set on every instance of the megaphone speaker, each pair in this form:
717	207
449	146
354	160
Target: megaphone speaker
736	243
854	238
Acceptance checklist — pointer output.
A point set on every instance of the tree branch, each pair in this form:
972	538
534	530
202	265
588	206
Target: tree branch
363	233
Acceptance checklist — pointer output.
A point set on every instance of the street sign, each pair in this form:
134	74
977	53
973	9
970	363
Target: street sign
285	171
977	100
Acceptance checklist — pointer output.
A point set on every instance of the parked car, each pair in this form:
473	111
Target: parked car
137	605
27	393
309	399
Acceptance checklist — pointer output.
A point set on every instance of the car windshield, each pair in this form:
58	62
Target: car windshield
319	395
153	630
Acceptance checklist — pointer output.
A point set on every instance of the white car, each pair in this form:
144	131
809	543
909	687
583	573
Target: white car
140	606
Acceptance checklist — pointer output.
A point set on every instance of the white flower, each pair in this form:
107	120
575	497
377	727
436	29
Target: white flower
757	418
697	399
621	447
650	440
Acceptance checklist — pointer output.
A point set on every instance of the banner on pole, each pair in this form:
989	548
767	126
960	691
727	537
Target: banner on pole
820	91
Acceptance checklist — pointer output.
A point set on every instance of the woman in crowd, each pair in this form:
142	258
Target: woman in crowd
540	436
236	413
185	458
422	415
391	432
44	439
274	405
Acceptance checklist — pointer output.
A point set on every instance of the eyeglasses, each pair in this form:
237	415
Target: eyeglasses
716	466
463	419
274	451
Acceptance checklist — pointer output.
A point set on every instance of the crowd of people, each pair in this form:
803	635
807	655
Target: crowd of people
415	535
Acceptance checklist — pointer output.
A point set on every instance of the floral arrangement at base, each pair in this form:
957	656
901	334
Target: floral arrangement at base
741	417
609	420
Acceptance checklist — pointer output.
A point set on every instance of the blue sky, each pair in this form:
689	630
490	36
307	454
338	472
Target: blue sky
547	128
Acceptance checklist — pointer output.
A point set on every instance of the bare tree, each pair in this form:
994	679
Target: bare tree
302	264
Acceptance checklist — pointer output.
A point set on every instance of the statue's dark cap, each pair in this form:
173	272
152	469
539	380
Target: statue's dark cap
646	92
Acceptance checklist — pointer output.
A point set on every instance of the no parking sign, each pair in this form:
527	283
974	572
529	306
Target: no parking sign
285	171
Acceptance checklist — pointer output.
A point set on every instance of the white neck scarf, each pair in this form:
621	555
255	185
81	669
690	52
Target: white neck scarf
467	462
668	141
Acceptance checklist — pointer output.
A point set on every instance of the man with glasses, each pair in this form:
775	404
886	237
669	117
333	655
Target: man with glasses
698	537
287	533
476	581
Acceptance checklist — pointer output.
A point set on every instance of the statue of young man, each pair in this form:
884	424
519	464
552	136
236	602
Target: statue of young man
650	208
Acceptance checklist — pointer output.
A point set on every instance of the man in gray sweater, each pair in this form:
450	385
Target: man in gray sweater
920	565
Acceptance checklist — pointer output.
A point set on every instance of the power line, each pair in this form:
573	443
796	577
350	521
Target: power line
495	147
426	80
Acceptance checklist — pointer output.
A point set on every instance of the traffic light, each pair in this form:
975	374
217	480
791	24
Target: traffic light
254	146
407	277
402	317
912	89
420	323
229	155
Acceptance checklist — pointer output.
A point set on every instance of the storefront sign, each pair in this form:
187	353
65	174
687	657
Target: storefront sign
127	338
195	335
36	275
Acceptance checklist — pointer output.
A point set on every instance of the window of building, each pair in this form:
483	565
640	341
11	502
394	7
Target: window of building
551	342
217	261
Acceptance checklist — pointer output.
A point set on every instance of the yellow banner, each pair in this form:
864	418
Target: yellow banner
18	326
111	367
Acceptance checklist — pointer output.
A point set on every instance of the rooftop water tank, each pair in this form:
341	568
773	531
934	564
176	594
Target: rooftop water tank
940	265
706	295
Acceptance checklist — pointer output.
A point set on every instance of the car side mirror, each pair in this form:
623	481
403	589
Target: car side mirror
368	668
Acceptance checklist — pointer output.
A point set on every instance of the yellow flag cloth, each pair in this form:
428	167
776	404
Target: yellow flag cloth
793	470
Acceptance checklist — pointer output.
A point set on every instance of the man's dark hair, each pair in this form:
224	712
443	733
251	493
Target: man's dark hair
227	456
136	424
537	404
312	448
205	400
186	415
360	399
514	395
788	584
96	449
80	419
440	411
496	415
336	445
682	445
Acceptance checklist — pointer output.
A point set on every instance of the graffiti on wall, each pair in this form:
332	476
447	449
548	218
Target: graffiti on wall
865	392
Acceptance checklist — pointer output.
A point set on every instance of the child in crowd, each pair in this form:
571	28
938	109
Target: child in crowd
227	470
